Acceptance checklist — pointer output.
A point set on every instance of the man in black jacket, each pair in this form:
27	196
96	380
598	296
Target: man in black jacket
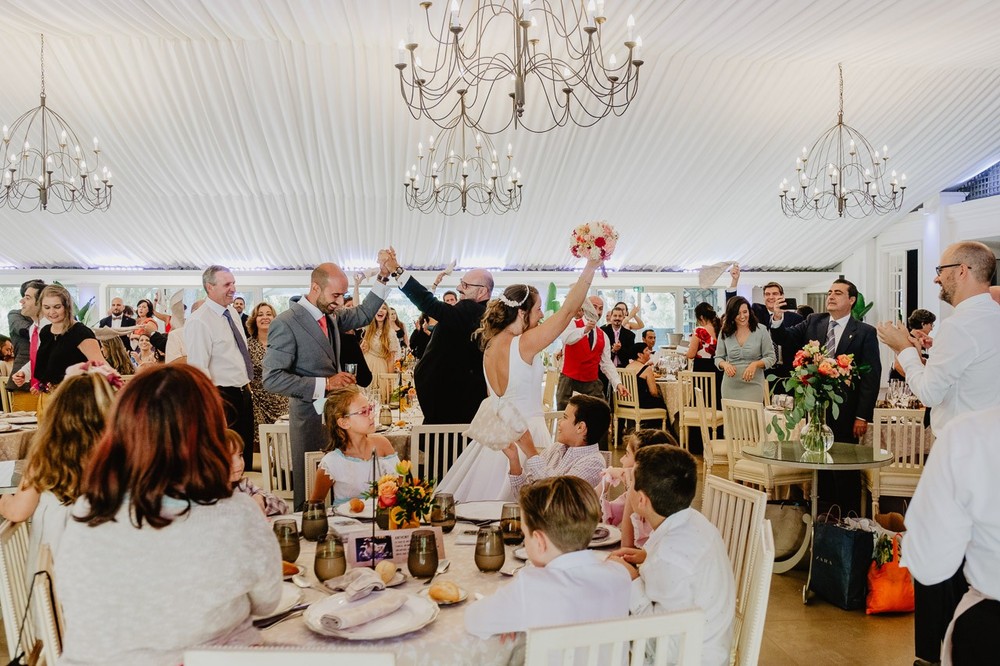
117	318
449	376
621	338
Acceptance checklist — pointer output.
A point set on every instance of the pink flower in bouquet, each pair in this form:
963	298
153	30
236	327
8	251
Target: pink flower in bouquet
827	369
385	501
595	240
844	361
801	358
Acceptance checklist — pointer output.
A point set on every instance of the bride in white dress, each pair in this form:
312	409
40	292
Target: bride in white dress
512	339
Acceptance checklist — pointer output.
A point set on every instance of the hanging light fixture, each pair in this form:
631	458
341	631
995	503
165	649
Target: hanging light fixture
841	175
554	72
45	167
462	173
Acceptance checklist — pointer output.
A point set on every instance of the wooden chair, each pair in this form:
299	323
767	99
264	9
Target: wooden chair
551	425
287	656
4	395
676	637
442	444
312	464
549	389
14	585
752	632
386	383
901	432
744	423
49	617
738	513
276	460
628	409
705	381
715	451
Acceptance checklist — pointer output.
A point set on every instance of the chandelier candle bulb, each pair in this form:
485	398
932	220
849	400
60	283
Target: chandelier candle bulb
600	9
638	48
401	53
631	26
454	13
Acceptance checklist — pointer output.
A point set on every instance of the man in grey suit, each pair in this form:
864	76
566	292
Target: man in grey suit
303	357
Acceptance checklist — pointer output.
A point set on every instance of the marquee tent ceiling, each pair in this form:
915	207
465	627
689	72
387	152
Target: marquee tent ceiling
271	133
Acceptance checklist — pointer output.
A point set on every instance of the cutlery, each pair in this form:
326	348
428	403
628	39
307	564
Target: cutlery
479	523
512	570
265	622
442	567
304	583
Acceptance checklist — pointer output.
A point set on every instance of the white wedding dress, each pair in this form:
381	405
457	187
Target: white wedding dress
480	473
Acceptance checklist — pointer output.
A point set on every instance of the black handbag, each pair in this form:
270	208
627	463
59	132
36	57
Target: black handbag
840	560
29	658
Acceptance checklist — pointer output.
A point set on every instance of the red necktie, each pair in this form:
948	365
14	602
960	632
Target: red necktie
33	352
322	325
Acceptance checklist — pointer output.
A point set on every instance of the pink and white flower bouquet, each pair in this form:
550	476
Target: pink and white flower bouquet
594	240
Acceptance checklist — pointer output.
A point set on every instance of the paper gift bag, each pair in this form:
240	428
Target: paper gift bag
841	557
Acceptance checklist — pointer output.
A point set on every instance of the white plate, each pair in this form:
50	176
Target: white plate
290	595
614	537
4	426
521	554
22	420
397	580
479	510
345	510
426	594
415	614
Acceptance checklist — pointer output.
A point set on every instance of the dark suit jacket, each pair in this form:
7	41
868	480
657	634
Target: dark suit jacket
626	337
790	318
126	322
350	352
859	339
19	325
449	376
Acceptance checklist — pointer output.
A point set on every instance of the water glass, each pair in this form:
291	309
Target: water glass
443	512
423	556
490	553
287	533
330	559
314	522
351	368
510	524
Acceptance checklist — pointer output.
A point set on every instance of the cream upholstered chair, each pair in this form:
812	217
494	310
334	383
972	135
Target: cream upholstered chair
901	432
286	656
49	614
689	411
312	464
4	396
752	632
276	460
715	451
14	585
442	444
628	409
744	423
738	513
614	641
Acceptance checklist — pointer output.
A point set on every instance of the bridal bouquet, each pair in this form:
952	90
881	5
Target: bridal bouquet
594	240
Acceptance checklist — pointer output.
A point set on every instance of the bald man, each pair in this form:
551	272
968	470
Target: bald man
117	318
303	357
587	350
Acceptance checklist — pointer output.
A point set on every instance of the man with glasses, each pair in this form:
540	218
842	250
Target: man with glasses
449	376
304	358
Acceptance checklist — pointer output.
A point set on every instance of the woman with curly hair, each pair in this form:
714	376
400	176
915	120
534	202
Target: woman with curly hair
512	340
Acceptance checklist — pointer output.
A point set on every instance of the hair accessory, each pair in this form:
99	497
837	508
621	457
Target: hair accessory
512	303
96	368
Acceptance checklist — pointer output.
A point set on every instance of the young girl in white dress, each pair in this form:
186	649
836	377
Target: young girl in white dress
347	468
512	339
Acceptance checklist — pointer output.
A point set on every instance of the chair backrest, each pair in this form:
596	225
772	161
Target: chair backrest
386	382
744	423
738	513
551	425
312	464
549	389
752	632
691	380
4	396
675	636
276	460
902	433
706	432
442	444
630	381
287	656
49	614
14	584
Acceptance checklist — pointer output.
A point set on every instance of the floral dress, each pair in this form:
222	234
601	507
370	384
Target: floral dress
267	407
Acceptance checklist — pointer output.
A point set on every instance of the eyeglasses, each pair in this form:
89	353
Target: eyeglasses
938	269
367	411
465	285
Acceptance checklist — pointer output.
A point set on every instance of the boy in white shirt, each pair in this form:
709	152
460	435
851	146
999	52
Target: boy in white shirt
567	583
684	563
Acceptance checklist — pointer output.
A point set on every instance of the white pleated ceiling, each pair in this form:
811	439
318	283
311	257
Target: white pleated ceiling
271	133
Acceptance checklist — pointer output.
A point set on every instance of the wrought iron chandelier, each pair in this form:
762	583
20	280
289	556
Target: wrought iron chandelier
44	166
842	175
554	72
468	179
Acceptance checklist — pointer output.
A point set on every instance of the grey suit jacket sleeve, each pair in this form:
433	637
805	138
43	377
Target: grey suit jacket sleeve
360	316
18	324
280	361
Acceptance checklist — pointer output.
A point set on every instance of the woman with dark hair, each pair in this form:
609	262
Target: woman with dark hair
512	340
162	556
398	328
705	336
638	362
145	311
744	351
920	323
421	334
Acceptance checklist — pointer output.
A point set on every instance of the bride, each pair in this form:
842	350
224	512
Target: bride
512	339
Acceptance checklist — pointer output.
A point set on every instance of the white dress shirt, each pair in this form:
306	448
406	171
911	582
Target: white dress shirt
687	566
175	345
35	326
963	365
116	322
574	334
585	462
953	514
574	587
211	346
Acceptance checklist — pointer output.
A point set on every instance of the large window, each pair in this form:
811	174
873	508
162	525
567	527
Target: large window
10	299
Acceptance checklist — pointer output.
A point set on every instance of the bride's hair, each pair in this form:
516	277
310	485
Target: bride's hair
503	311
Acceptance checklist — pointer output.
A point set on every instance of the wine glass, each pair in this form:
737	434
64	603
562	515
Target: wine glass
314	522
423	556
351	368
443	512
287	533
330	561
490	554
510	524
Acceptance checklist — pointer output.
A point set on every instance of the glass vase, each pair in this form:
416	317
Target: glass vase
817	437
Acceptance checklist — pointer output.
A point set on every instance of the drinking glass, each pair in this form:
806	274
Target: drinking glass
314	523
352	368
287	533
490	553
510	524
443	512
330	559
423	557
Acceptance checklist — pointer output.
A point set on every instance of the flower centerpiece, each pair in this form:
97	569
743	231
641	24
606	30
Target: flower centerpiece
401	499
816	384
594	240
403	395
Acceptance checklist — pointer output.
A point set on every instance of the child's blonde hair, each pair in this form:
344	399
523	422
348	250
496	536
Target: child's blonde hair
565	508
338	405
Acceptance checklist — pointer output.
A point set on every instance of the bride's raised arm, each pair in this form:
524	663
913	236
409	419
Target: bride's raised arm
538	338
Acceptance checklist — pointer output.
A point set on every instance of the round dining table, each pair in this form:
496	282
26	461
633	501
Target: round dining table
840	457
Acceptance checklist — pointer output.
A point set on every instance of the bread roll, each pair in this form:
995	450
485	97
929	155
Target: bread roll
445	591
386	569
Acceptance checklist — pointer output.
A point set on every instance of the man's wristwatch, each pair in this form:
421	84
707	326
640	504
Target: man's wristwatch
395	274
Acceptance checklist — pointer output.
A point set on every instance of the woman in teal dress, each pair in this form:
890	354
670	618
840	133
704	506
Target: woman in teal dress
743	352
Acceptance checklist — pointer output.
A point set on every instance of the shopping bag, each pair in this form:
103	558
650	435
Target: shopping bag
840	560
787	524
890	587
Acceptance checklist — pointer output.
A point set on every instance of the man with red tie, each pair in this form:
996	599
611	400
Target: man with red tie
586	351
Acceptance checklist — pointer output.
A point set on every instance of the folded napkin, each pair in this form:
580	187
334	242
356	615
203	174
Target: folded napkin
346	617
357	583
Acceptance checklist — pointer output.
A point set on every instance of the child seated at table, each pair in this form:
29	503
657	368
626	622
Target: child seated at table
269	503
684	563
567	583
